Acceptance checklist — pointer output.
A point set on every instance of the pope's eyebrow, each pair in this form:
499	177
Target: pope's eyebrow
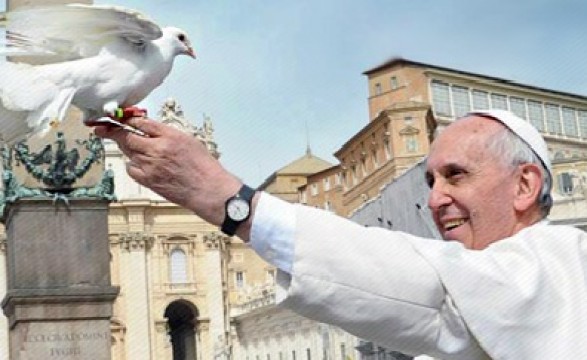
452	168
445	171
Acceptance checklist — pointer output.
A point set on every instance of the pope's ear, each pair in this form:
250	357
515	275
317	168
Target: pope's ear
529	186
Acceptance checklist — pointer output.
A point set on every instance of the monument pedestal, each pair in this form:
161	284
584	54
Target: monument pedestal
59	297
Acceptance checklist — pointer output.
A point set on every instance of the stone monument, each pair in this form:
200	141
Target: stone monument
59	297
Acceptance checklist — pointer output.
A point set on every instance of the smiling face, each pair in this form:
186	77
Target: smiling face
472	191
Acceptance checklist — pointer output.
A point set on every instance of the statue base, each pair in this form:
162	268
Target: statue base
59	298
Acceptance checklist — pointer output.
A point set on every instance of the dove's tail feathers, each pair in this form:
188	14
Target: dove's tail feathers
28	101
17	125
51	113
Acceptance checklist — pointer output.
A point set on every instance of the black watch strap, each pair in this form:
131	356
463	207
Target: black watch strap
230	225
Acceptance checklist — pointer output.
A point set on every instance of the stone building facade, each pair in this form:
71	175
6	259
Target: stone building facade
409	102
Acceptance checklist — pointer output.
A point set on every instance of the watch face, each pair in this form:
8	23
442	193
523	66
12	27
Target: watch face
238	209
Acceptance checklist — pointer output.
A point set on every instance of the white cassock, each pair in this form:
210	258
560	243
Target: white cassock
524	297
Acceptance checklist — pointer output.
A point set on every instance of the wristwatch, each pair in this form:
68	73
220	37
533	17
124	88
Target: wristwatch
238	210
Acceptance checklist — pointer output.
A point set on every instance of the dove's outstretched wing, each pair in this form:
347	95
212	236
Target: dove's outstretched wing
80	49
60	33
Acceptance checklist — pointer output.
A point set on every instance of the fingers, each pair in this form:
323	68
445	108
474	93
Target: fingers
149	127
131	141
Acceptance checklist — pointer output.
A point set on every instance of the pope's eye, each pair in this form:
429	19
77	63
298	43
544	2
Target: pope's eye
181	37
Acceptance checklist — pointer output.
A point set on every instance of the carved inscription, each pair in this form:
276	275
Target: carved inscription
64	345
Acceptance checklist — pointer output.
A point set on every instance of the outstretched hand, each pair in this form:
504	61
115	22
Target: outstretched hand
176	166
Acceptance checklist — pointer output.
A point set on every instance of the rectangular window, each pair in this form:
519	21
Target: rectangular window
308	354
394	83
411	144
314	189
565	183
553	119
326	183
535	115
337	179
499	101
461	102
377	89
518	107
441	98
583	123
570	122
343	352
480	100
239	279
178	261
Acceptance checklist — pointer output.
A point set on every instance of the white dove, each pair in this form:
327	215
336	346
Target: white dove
99	58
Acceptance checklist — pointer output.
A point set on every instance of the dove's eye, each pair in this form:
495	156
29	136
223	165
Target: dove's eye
181	37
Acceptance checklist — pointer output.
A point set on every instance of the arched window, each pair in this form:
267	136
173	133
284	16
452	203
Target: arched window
178	266
182	318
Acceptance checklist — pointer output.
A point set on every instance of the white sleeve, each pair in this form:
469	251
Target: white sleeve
272	231
373	283
370	282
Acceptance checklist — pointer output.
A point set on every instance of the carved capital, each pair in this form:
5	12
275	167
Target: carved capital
136	241
215	241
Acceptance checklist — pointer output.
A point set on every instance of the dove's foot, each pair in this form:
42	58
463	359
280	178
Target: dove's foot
123	114
118	117
54	124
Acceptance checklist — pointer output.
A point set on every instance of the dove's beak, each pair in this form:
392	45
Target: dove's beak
190	52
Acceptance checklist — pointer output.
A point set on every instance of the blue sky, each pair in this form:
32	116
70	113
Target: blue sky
266	70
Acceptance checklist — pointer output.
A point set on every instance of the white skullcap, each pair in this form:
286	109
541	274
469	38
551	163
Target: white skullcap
523	129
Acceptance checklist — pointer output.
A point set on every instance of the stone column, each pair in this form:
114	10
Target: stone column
3	319
59	298
215	289
135	280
